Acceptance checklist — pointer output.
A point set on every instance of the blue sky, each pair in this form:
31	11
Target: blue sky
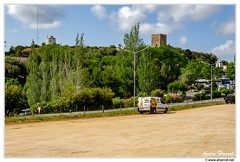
198	27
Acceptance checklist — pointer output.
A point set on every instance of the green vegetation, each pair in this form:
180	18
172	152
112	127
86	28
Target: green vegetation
177	108
58	77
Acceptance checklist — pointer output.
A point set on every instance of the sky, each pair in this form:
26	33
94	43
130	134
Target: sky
198	27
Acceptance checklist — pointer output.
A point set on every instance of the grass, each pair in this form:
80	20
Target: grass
36	118
177	108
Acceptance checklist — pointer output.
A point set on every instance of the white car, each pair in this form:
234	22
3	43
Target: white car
25	112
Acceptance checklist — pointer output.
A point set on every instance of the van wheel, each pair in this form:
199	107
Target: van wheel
165	110
140	112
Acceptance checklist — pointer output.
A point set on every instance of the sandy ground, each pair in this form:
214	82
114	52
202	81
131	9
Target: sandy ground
197	133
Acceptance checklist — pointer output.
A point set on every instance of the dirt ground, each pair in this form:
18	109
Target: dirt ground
196	133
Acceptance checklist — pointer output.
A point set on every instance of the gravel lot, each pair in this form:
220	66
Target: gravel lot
197	133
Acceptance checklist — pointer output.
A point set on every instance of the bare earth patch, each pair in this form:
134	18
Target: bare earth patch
197	133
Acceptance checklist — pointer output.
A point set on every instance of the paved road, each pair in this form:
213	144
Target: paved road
198	133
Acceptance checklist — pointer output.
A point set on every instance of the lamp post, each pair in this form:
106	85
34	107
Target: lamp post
211	78
134	69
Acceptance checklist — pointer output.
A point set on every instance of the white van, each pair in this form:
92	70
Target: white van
152	105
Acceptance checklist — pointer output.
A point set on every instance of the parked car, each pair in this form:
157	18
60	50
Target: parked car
207	91
25	112
230	98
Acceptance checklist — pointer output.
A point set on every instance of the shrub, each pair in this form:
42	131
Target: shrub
199	96
216	94
15	100
92	99
169	98
129	102
142	94
158	93
117	102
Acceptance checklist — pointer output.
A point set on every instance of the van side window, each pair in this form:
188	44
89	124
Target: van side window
162	101
146	100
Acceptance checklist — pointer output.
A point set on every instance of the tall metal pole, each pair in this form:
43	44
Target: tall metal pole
134	86
211	82
37	25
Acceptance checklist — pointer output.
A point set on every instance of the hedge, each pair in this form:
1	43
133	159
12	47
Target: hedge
91	99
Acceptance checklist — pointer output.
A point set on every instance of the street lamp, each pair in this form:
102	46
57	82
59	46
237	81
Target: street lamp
134	67
211	78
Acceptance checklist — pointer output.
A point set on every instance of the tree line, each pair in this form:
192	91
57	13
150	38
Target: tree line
55	71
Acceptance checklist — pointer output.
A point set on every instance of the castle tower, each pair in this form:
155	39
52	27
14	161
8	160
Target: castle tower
158	40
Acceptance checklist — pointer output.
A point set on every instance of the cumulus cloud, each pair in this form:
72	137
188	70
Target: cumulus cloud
227	27
169	17
99	11
183	40
48	16
228	48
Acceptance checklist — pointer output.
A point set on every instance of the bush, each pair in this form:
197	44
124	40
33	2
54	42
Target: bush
142	94
169	98
199	96
15	100
216	94
117	102
92	99
129	102
158	93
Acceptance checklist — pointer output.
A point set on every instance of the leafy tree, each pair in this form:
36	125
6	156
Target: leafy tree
15	100
218	72
187	78
33	83
231	71
15	69
177	86
128	60
132	41
158	93
147	73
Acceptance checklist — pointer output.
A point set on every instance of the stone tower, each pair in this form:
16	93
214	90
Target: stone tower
158	40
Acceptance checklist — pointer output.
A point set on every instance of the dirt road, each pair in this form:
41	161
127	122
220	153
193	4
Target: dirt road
201	132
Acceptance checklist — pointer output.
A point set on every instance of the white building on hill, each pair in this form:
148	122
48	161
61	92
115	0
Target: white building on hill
50	40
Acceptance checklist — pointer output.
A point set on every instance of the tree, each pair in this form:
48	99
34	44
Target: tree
133	43
231	71
187	77
177	86
147	73
15	100
15	69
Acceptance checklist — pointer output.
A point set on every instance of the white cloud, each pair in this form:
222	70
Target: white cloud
228	48
183	40
169	17
98	11
183	13
48	16
126	17
227	27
